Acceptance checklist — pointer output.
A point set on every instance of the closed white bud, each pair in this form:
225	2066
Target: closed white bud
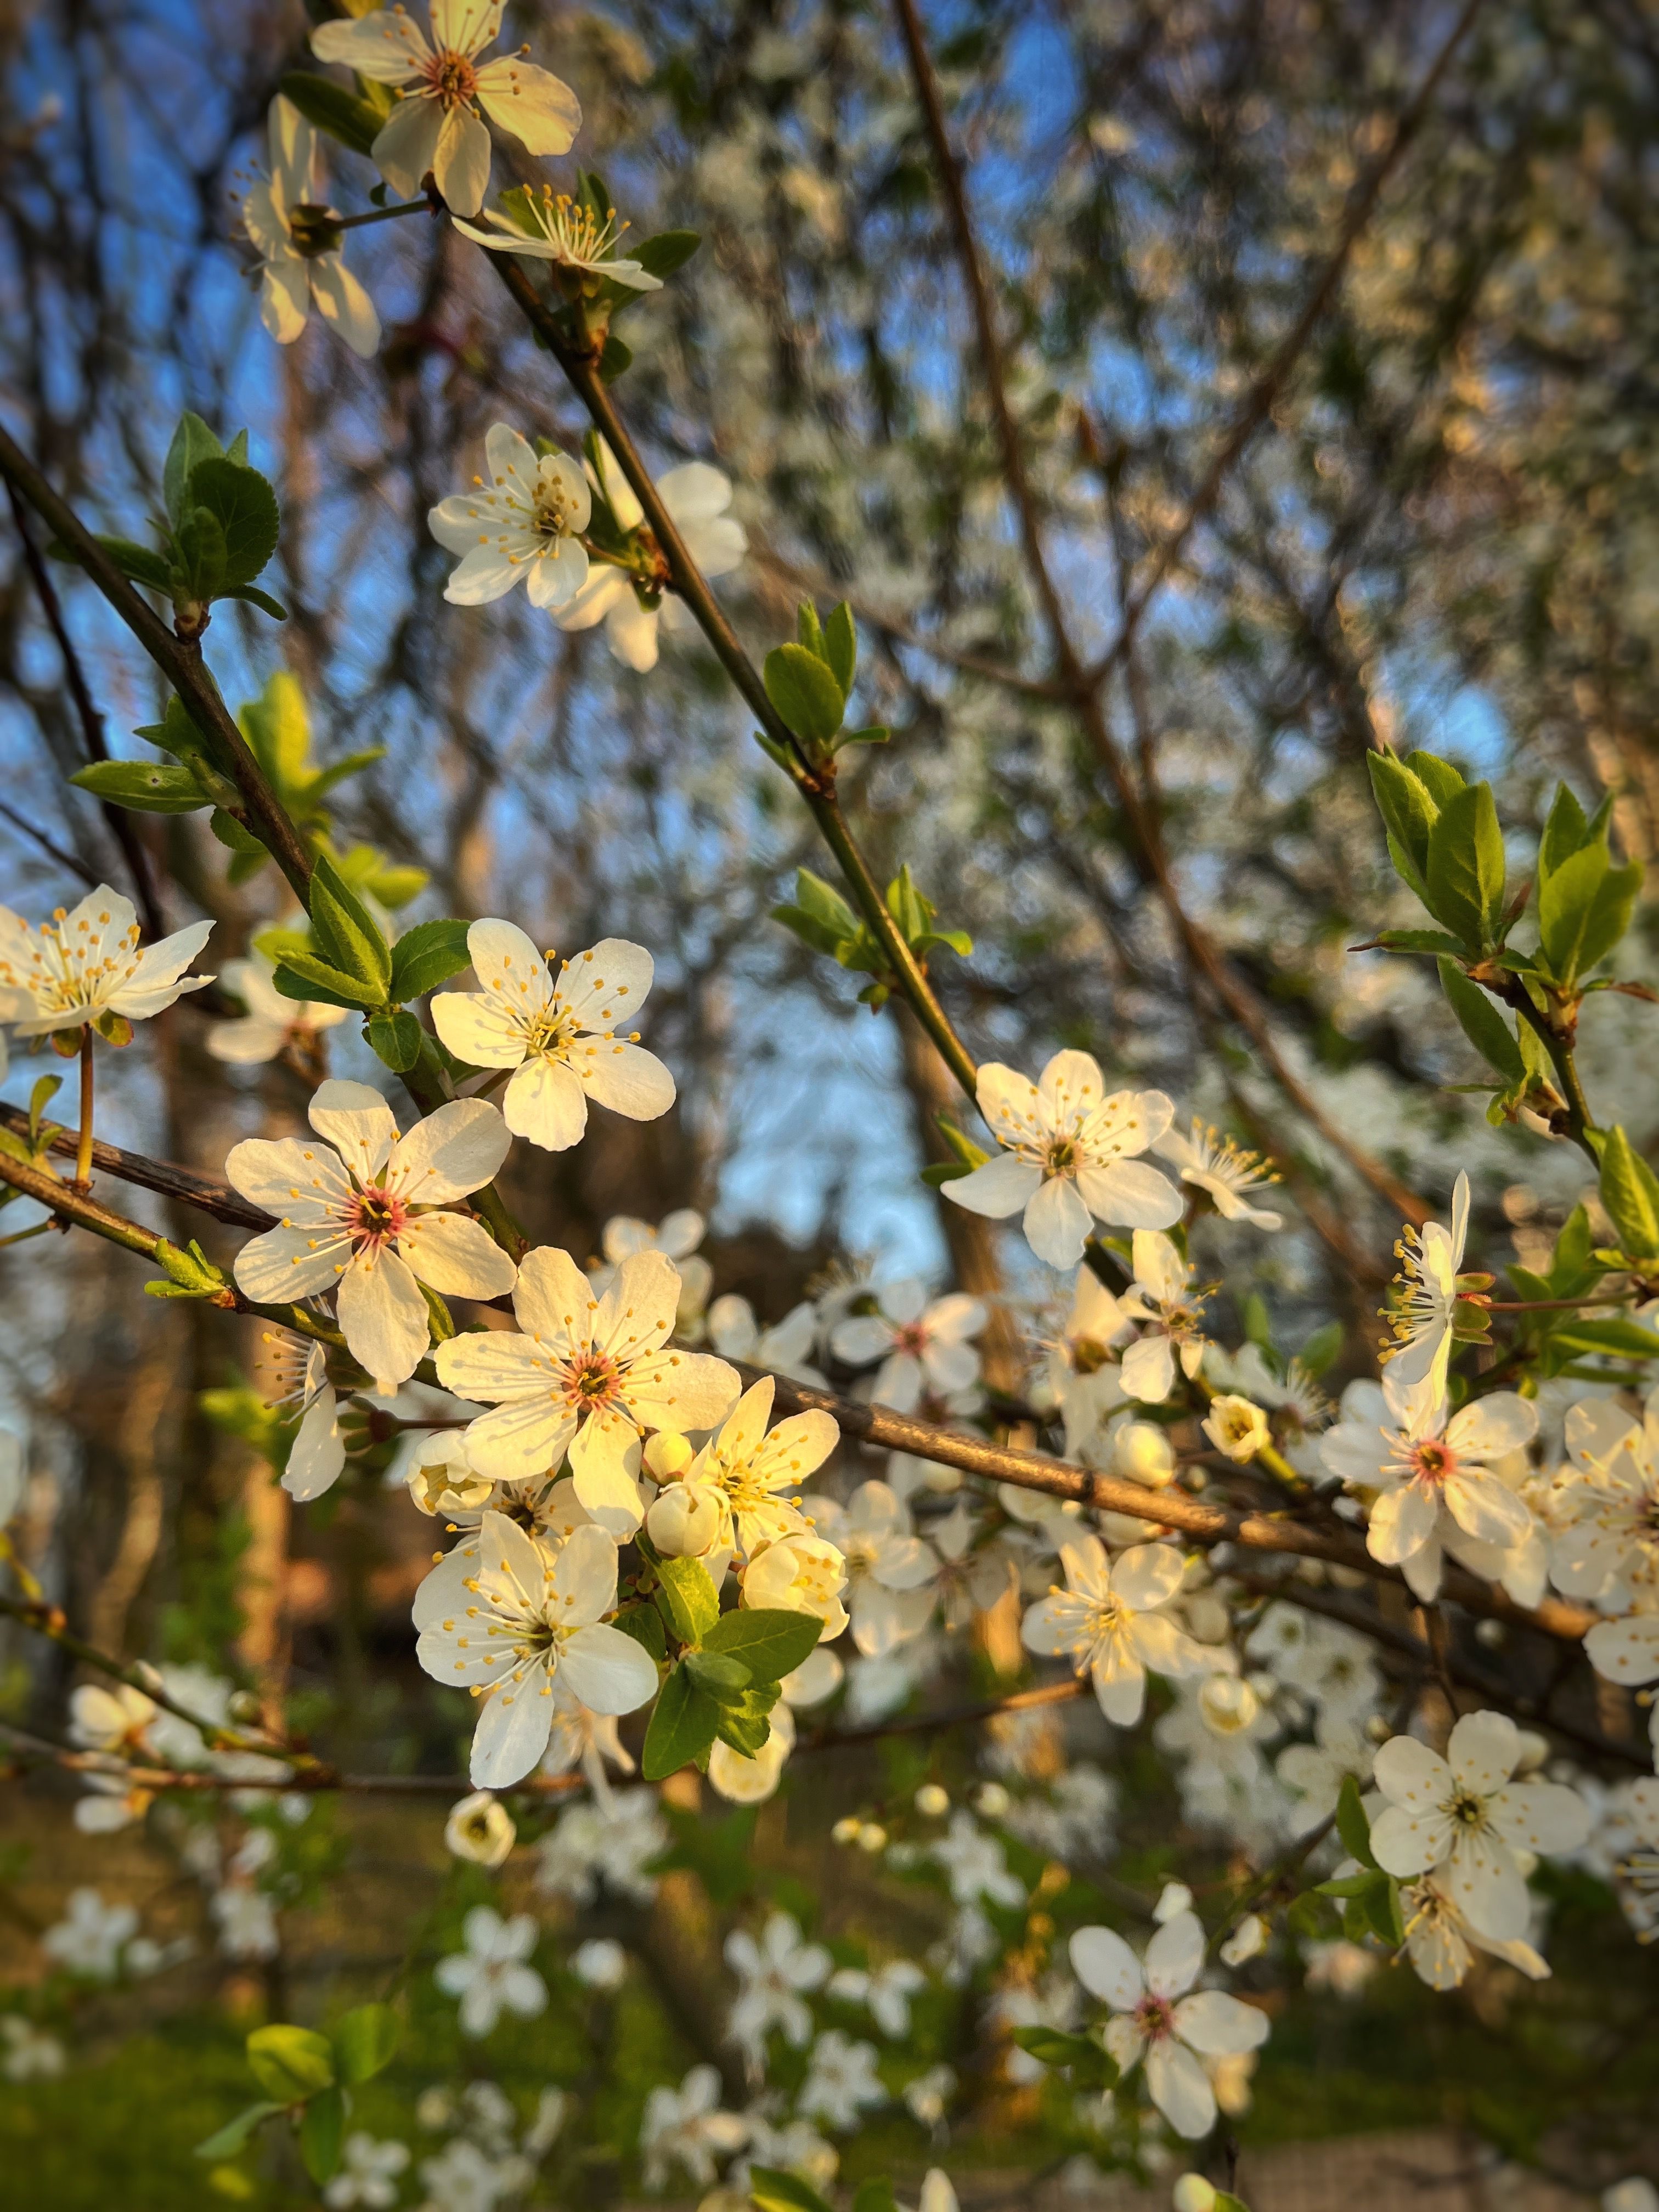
991	1800
480	1828
872	1837
1194	2194
1142	1453
684	1524
1173	1898
1237	1427
932	1802
667	1454
847	1830
1247	1941
1228	1704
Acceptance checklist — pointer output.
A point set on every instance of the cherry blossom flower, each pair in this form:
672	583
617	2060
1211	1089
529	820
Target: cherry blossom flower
610	1845
752	1469
890	1572
90	1938
601	1963
558	1037
1430	1258
885	1992
1071	1155
1109	1621
1627	1651
677	1237
490	1975
841	2082
1441	1941
111	1719
975	1864
369	2172
696	497
785	1348
1082	1371
362	1214
1430	1469
921	1345
27	2053
686	2127
480	1829
1462	1819
1161	1298
586	1376
508	1615
301	264
800	1573
297	1381
1608	1544
523	523
549	226
272	1025
435	128
1218	1167
773	1970
1154	2019
581	1737
1237	1427
87	966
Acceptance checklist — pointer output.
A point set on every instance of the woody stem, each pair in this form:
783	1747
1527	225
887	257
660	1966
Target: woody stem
83	1145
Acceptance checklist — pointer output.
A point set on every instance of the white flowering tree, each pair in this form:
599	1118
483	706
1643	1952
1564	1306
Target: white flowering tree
861	1711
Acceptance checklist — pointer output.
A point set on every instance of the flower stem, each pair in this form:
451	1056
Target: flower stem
381	215
84	1147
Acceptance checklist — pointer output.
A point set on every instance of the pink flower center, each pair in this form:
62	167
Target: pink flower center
912	1338
1432	1463
375	1217
593	1380
1155	2018
452	77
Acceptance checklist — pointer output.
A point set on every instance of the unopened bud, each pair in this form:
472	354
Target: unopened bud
1194	2194
1247	1940
872	1837
846	1831
991	1800
666	1455
684	1524
1228	1704
1142	1453
932	1802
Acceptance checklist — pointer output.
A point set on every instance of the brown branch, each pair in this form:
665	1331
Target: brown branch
207	1194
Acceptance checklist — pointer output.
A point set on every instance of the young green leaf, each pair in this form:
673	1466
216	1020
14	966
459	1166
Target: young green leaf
1438	777
346	933
1408	810
302	976
771	1642
1481	1023
1321	1350
1464	873
1565	832
806	694
157	788
683	1723
426	956
688	1598
669	249
1630	1191
198	546
322	2129
841	647
245	506
395	1039
365	2042
745	1722
1351	1825
772	2189
232	2137
290	2064
140	564
719	1676
192	444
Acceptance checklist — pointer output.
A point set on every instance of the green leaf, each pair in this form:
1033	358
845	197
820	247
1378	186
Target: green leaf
615	359
146	788
745	1722
290	2064
302	976
140	564
192	444
668	251
1414	941
1050	2047
1481	1023
277	727
841	647
776	2190
644	1624
689	1598
770	1641
1616	1339
718	1676
809	631
396	1040
683	1723
1630	1191
321	2130
1352	1825
426	956
234	2135
805	692
356	123
346	934
1408	810
1565	832
198	545
245	506
1464	873
1319	1353
875	2195
1438	777
1584	908
365	2042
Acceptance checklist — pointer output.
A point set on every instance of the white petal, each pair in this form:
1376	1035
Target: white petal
451	1153
512	1732
384	1318
298	1182
543	114
290	1263
1483	1751
357	1122
626	1079
318	1453
385	46
1057	1222
1003	1186
1106	1967
406	146
608	1671
461	163
1218	2025
1174	1955
456	1257
1179	2087
342	300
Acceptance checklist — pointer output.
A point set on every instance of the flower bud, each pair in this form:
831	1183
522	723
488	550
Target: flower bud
1142	1453
1247	1941
872	1837
1228	1704
666	1455
991	1800
1174	1899
1194	2194
480	1828
684	1524
1237	1427
847	1830
932	1801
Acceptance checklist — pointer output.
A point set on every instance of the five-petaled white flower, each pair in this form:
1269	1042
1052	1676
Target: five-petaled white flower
272	1024
85	964
686	2127
801	1573
774	1971
841	2081
1071	1157
298	1383
436	127
300	264
524	522
1462	1819
885	1991
1430	1467
369	2172
549	226
890	1572
1155	2020
696	497
1441	1941
752	1469
1430	1258
490	1976
360	1214
587	1376
1110	1619
1162	1299
1226	1173
1607	1542
559	1037
505	1613
922	1346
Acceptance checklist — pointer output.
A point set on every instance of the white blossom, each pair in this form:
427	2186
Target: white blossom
696	497
90	1938
272	1025
601	1963
753	1469
884	1991
435	126
686	2127
1110	1621
1462	1819
522	521
1431	1259
1228	1175
922	1345
28	2053
1161	1298
300	264
614	1845
480	1828
890	1572
975	1865
490	1975
1155	2020
507	1614
87	966
785	1348
774	1969
1071	1157
549	226
364	1213
369	2172
1441	1941
841	2082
